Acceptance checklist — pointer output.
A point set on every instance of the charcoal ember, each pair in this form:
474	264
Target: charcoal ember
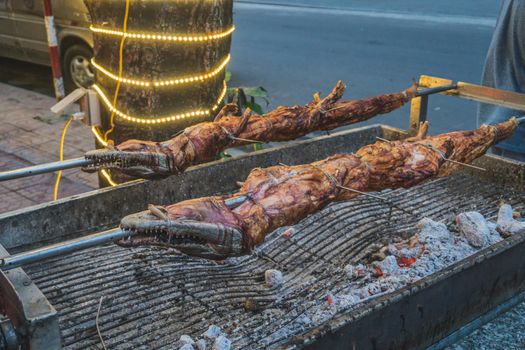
430	230
186	339
251	305
212	332
401	250
388	265
201	344
360	271
374	289
431	249
349	270
494	237
506	224
273	278
348	300
332	300
380	254
222	343
304	319
473	226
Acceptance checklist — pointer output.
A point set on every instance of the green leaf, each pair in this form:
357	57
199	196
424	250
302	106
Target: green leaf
228	76
224	155
255	107
256	91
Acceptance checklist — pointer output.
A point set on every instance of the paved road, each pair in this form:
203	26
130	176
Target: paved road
296	47
293	51
479	8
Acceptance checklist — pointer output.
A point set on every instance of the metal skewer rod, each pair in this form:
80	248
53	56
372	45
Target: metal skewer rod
44	168
31	256
436	90
362	193
442	155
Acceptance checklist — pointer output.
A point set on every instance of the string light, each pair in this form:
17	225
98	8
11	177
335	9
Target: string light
163	37
98	136
195	113
108	177
174	81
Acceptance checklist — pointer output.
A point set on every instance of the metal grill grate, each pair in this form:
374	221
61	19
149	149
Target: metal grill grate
153	296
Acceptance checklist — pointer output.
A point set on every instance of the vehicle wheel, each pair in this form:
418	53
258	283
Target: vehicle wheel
76	67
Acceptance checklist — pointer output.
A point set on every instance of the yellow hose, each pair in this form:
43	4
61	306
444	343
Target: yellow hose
61	155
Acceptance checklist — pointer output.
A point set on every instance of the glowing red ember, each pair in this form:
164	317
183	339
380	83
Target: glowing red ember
288	233
405	262
378	271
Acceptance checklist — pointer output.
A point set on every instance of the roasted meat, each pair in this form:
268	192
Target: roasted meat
204	141
217	227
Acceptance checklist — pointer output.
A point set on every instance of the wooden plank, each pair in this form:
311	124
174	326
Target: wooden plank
468	91
509	99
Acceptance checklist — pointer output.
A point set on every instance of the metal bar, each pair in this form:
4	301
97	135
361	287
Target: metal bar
478	322
29	309
435	90
44	168
418	113
31	256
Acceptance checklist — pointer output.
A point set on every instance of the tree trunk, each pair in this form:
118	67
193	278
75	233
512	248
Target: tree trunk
160	60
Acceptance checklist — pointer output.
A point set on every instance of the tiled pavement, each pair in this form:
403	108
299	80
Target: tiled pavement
29	134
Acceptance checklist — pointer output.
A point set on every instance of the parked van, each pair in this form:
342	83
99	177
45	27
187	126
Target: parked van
23	37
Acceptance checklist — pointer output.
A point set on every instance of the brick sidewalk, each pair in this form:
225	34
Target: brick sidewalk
29	135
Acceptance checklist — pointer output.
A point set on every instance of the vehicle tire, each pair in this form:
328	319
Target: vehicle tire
76	67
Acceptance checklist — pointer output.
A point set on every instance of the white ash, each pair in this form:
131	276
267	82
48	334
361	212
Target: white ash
433	248
201	344
213	332
349	270
304	319
495	236
186	339
389	265
213	335
222	343
359	271
186	347
473	226
273	278
506	224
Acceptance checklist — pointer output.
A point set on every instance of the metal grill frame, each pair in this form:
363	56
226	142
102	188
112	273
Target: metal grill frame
103	208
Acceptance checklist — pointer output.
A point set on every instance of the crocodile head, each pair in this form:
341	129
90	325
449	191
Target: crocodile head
193	227
144	159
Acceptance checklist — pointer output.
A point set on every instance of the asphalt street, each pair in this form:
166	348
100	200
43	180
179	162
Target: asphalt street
294	50
296	47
